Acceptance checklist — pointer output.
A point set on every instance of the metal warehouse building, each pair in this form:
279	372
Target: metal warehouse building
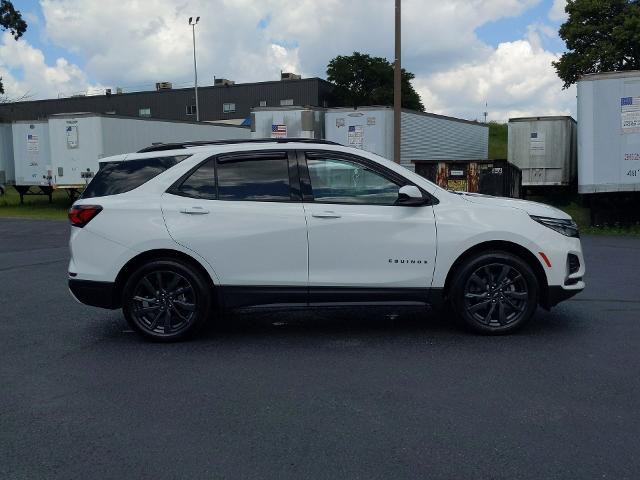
222	101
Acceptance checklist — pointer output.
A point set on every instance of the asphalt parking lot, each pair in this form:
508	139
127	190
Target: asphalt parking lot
332	394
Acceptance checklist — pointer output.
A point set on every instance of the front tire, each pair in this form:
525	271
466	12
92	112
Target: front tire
495	293
166	300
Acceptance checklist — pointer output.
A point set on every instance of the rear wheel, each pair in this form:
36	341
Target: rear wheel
166	300
495	293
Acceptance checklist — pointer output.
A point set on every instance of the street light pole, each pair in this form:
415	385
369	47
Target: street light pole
397	90
195	65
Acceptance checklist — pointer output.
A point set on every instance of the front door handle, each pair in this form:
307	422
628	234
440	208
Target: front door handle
327	214
194	211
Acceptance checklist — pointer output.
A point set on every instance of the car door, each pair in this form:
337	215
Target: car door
241	213
363	245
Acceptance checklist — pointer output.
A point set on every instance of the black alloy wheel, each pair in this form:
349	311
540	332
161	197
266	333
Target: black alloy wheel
495	293
166	300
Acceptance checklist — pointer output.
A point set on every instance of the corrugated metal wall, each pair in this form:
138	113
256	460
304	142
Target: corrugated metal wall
172	104
435	137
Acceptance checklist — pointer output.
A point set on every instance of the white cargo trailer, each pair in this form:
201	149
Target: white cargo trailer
544	149
609	132
32	153
7	171
79	141
609	145
424	136
287	122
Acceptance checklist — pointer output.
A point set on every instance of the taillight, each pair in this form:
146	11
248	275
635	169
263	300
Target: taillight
80	215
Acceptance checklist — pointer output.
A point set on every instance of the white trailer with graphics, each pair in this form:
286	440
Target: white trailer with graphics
32	158
80	140
609	145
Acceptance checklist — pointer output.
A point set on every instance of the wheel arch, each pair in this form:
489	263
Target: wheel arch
157	254
518	250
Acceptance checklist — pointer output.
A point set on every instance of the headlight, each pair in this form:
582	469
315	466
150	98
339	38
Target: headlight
565	227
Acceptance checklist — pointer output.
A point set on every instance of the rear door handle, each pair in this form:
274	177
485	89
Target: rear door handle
194	211
327	214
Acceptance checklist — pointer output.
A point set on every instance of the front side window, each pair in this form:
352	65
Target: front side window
228	107
262	179
144	112
120	177
191	109
286	102
335	180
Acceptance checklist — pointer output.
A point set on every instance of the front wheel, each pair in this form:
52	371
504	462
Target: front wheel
495	293
166	300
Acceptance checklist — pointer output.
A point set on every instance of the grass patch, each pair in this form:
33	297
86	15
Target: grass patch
582	217
497	140
35	206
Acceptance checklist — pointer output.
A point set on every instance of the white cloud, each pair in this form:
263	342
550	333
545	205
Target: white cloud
557	13
135	44
24	71
517	79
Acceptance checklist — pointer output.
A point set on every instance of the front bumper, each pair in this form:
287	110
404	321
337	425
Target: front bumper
95	294
557	294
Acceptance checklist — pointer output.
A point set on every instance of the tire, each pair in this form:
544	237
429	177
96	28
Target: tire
166	300
494	293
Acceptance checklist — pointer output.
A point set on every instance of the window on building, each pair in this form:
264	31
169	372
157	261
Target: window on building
110	112
286	102
191	109
263	103
228	107
335	180
261	179
144	112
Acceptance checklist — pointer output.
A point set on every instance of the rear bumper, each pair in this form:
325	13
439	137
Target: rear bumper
95	294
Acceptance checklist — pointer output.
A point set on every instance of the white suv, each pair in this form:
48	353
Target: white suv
178	233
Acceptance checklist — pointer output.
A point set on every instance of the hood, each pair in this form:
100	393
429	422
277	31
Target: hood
532	208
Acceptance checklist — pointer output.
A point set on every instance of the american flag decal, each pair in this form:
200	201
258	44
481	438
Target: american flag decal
278	131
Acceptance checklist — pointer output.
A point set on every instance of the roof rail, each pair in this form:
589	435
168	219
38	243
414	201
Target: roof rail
158	147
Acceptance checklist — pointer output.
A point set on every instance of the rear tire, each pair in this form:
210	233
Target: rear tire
494	293
166	300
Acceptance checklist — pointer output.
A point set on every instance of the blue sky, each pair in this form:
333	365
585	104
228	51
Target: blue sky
87	45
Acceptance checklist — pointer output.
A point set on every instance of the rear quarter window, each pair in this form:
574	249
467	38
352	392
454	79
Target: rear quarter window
124	176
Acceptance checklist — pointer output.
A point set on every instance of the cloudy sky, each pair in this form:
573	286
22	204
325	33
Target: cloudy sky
463	52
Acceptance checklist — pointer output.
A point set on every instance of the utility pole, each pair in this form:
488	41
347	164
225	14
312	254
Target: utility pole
195	65
397	90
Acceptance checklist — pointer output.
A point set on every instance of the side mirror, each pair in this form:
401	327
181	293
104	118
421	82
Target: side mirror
410	195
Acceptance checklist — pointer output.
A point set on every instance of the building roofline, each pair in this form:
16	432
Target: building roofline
602	75
546	118
127	117
185	89
406	110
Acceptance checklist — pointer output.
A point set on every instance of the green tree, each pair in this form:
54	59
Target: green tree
360	79
601	36
11	19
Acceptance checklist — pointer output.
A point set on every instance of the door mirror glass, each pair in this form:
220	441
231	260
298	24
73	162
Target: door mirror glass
410	195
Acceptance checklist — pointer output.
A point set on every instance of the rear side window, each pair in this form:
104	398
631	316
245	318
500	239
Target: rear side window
121	177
